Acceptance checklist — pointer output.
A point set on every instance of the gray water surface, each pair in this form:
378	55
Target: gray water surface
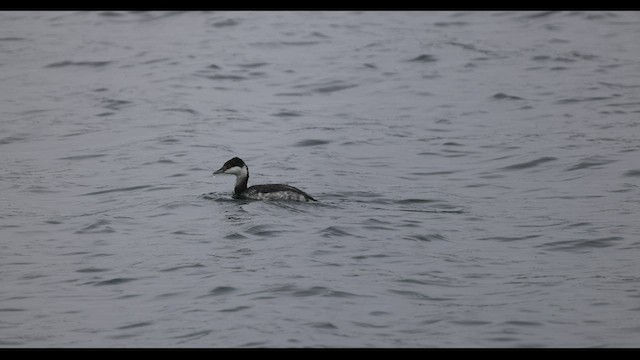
477	176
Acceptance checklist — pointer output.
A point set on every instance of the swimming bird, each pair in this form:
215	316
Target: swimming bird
238	168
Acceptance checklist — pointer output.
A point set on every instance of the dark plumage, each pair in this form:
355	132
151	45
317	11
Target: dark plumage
238	168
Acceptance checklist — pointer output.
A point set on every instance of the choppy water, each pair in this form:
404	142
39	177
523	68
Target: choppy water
477	176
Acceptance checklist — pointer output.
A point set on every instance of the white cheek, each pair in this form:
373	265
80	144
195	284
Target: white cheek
233	171
237	171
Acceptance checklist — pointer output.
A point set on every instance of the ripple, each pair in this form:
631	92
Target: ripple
322	325
523	323
168	295
293	94
472	47
132	188
12	38
92	270
541	58
160	161
311	142
296	291
503	96
115	104
98	227
620	85
449	172
581	99
222	290
226	77
322	291
225	23
157	60
530	164
234	236
193	335
82	157
187	266
374	256
434	281
264	231
333	88
591	162
286	114
509	239
425	237
253	65
414	295
334	231
168	140
135	325
12	309
424	58
235	309
95	64
41	190
582	244
369	325
450	23
323	87
470	322
114	281
299	43
11	139
416	201
184	110
537	15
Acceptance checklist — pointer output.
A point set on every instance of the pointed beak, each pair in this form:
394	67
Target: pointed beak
219	171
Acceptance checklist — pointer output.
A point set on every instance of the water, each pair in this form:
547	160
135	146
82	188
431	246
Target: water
477	177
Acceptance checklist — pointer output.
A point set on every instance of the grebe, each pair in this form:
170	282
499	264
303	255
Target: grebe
238	168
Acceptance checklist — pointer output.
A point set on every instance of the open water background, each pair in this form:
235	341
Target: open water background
477	176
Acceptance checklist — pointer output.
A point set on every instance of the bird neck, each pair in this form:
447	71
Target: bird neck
241	181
